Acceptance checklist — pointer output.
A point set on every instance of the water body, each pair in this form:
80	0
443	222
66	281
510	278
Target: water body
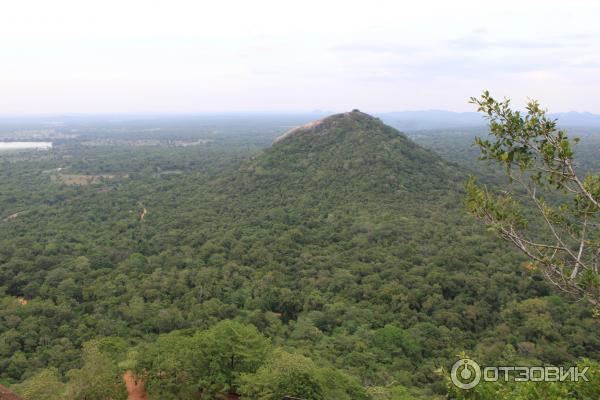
25	145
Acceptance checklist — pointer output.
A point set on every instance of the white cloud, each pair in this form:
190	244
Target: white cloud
179	55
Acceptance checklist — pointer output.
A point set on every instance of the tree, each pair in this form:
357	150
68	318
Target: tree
208	363
230	349
390	393
165	366
562	237
284	374
395	341
288	374
98	379
45	385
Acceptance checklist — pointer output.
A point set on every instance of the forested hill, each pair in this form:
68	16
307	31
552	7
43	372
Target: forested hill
341	157
344	243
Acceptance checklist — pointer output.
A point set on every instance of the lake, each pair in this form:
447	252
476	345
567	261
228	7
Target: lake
25	145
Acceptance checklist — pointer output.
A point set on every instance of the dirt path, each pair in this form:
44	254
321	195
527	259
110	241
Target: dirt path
6	394
135	388
143	215
13	216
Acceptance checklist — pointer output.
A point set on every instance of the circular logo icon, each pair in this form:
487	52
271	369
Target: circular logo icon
465	374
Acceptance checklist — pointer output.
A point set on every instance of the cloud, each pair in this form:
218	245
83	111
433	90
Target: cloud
186	55
377	48
481	40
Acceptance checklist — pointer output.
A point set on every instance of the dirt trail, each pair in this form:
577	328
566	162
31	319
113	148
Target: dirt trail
135	387
6	394
13	216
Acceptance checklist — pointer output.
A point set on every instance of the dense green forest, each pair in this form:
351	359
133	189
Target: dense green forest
338	263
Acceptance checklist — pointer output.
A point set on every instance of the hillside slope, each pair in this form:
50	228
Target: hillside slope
344	157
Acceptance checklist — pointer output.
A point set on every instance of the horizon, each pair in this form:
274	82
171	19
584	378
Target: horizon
405	121
159	114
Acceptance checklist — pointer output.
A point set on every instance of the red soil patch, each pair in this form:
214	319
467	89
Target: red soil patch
135	387
6	394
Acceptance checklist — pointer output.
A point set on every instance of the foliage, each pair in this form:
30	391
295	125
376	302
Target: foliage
284	374
209	362
539	158
287	374
350	248
44	385
390	393
98	379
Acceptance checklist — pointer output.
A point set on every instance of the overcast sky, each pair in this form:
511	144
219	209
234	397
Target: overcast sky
253	55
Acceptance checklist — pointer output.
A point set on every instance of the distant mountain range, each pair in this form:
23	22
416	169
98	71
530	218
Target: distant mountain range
403	120
438	119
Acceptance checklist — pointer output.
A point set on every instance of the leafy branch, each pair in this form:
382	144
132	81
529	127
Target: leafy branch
561	236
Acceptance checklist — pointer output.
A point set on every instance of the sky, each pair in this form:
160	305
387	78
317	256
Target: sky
179	56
